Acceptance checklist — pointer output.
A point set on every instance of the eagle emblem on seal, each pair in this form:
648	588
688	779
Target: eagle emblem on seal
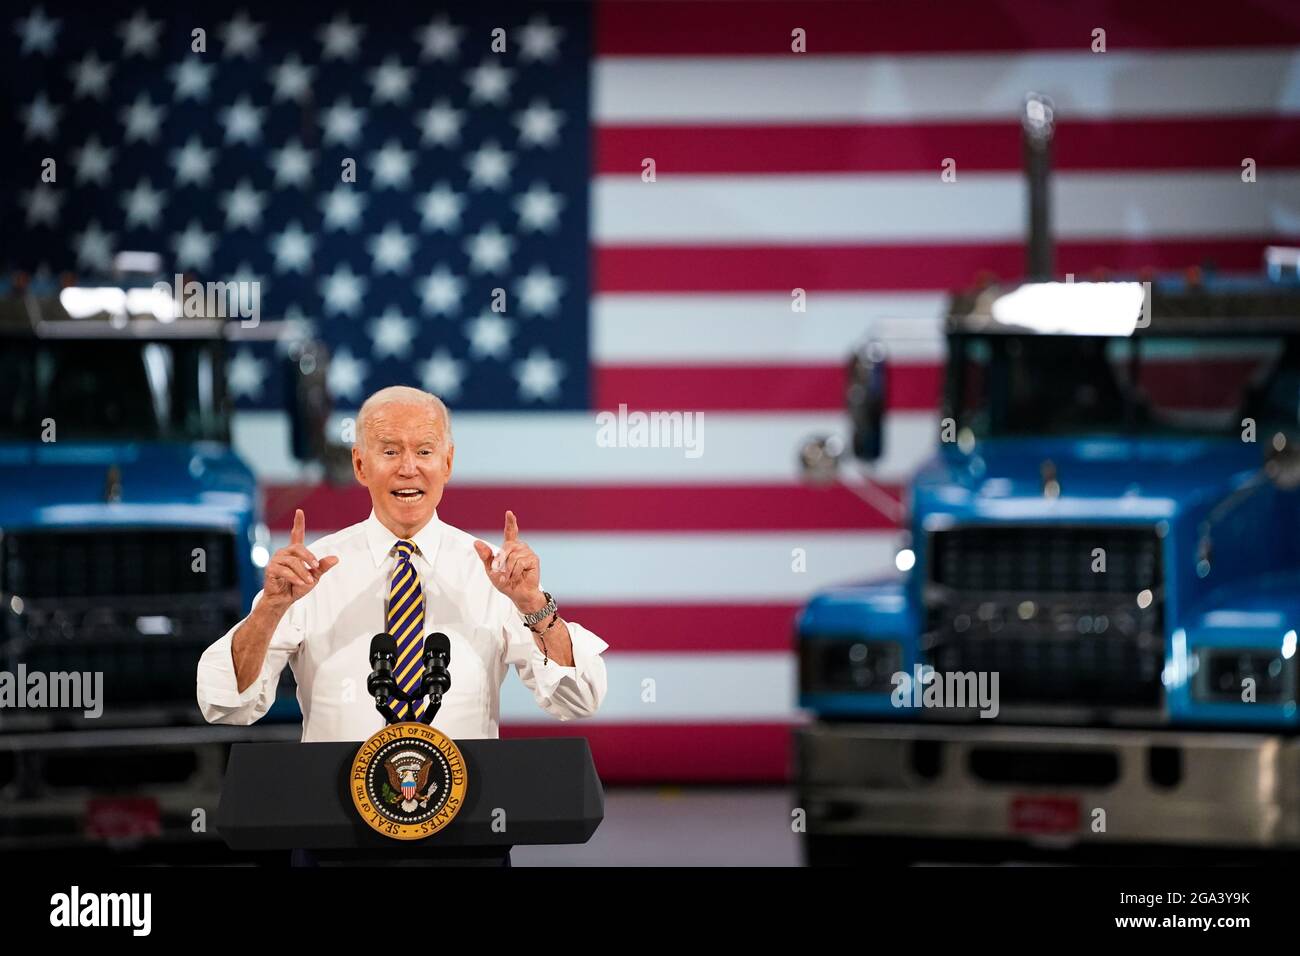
408	773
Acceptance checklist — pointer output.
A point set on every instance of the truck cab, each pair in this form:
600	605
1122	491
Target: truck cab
131	537
1091	639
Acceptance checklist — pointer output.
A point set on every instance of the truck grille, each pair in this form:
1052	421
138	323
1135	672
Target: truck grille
127	603
1027	603
112	563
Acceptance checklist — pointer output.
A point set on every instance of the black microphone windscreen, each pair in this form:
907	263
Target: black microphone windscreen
438	643
382	645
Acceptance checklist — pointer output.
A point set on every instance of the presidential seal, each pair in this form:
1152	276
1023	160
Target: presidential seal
408	781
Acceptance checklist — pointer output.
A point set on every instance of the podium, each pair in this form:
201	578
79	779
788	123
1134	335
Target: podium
294	796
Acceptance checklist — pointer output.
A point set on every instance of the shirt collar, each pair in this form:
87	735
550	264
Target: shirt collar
380	540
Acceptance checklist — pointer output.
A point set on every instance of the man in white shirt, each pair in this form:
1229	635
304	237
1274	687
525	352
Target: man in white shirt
403	571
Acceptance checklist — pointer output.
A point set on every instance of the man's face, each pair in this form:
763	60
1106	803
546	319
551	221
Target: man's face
405	461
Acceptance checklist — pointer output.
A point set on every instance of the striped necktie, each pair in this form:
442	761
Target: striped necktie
405	620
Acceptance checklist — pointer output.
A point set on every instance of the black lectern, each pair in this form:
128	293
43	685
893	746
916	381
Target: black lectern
283	796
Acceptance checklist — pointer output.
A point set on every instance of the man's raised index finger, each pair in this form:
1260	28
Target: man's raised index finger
299	527
512	527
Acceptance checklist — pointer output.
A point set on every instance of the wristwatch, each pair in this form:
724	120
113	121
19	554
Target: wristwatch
542	613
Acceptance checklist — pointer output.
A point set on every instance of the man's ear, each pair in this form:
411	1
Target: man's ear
358	469
451	453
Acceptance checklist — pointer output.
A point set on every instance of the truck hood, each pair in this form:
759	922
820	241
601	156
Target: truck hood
64	484
1098	479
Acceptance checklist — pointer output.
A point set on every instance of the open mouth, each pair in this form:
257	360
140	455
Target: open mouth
408	494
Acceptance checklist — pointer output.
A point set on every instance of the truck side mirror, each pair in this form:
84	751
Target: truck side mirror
308	401
865	398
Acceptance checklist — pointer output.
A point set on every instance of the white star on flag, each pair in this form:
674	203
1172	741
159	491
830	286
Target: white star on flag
441	208
194	247
296	329
341	39
343	290
392	333
439	40
243	122
41	118
94	247
92	161
37	32
489	83
489	335
539	291
90	77
193	163
441	291
391	81
293	248
241	36
245	374
346	374
440	124
442	374
343	206
140	35
292	165
192	78
43	204
538	376
143	120
392	166
539	125
291	79
391	249
489	166
144	205
539	40
489	249
244	206
342	122
539	208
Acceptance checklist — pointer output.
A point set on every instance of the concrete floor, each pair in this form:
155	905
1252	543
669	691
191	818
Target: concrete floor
673	826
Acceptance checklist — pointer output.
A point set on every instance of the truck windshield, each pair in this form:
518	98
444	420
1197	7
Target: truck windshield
1003	385
116	389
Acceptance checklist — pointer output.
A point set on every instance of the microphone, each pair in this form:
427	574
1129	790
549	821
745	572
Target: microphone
383	655
437	678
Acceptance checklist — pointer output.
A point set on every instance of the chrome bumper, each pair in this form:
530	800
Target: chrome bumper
1229	789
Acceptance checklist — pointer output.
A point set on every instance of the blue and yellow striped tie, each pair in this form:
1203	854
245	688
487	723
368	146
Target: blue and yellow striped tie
405	621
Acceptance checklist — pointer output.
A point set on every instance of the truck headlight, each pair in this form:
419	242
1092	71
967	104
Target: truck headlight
1234	674
261	550
852	664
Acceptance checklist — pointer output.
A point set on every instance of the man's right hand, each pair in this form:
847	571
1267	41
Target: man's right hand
293	570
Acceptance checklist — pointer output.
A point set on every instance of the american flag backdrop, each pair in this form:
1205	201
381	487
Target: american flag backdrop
524	170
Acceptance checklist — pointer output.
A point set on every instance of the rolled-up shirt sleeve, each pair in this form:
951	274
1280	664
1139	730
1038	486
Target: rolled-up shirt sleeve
563	692
219	697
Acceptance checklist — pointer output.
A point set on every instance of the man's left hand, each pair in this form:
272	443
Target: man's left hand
515	569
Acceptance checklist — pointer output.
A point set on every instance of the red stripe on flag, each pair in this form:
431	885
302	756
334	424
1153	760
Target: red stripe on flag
696	753
900	267
667	28
977	147
698	628
616	508
755	388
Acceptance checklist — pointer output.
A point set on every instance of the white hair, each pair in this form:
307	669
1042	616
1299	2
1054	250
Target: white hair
402	395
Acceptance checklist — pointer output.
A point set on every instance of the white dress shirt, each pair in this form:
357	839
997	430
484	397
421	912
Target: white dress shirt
325	638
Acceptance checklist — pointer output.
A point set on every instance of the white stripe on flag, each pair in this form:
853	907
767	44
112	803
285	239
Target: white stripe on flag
912	207
717	568
942	87
630	329
560	448
702	687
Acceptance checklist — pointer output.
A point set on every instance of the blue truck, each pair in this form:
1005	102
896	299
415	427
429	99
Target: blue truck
1089	646
131	536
